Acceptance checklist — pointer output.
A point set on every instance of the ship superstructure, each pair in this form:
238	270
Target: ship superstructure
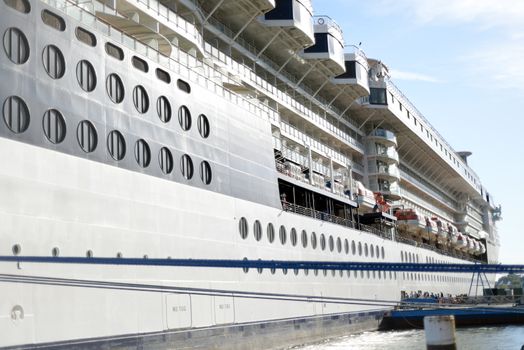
217	129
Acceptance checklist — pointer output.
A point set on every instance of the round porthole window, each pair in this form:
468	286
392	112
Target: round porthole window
54	126
16	114
116	145
54	62
16	46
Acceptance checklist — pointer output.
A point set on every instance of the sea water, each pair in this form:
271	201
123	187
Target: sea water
481	338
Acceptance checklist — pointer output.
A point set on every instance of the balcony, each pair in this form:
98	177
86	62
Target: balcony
390	190
389	172
356	73
389	155
377	97
385	137
296	15
329	45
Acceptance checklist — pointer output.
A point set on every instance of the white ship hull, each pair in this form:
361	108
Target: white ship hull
110	210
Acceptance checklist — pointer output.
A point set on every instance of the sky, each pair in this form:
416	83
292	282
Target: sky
461	62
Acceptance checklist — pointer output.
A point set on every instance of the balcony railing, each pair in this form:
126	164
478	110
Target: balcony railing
384	134
290	80
389	153
183	66
297	209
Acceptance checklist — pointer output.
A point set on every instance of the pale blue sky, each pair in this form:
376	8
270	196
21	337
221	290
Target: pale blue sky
461	62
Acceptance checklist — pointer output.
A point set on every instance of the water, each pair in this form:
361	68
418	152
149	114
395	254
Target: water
482	338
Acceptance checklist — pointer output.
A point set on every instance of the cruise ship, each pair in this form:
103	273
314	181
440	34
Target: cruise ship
214	129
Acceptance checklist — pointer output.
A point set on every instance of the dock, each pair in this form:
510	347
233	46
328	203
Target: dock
465	316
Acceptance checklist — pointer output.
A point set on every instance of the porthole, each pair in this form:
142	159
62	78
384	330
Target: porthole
186	167
293	237
54	126
322	242
87	136
304	238
16	249
53	20
270	233
19	5
86	76
146	256
324	272
205	172
355	273
341	273
273	270
353	248
315	272
372	251
115	88
89	254
401	256
331	243
257	229
114	51
119	255
282	235
366	249
140	64
142	153
243	227
246	269
377	252
140	99
16	114
368	274
203	126
349	273
313	240
165	159
390	275
374	274
295	271
16	46
346	246
163	76
333	273
54	62
359	249
184	118
163	108
306	272
55	252
182	85
339	245
85	36
116	145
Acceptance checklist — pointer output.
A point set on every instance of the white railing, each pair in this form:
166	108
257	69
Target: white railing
183	65
247	73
